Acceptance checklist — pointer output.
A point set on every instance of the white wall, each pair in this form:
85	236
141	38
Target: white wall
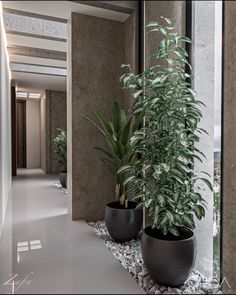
33	134
5	124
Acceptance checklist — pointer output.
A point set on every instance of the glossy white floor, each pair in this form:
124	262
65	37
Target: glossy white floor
43	251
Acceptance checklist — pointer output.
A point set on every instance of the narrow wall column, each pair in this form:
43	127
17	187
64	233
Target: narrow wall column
48	131
43	132
33	141
153	12
229	151
96	52
55	118
13	131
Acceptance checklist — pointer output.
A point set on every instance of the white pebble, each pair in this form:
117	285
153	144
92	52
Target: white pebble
130	256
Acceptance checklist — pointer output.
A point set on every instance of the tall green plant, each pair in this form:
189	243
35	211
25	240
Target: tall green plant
60	142
117	135
163	177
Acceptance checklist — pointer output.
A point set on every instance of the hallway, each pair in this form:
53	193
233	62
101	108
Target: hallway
55	255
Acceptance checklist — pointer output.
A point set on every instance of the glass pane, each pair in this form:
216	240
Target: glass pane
207	70
217	136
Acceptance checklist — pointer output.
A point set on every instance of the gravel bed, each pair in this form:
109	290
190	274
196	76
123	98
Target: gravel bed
129	255
58	185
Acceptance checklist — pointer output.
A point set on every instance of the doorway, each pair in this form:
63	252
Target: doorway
21	133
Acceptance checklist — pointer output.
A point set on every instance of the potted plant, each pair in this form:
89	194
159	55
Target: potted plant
61	149
122	219
163	178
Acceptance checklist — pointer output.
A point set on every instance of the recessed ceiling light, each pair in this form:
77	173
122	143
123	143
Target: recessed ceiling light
34	95
21	94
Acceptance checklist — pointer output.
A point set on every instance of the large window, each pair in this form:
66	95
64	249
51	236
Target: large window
217	136
207	69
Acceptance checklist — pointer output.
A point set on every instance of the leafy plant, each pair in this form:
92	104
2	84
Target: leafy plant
163	177
117	135
61	147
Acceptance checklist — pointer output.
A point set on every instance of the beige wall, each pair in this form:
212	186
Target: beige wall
33	144
55	118
5	124
43	132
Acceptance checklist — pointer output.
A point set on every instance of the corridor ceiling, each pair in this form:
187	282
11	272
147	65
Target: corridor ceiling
37	39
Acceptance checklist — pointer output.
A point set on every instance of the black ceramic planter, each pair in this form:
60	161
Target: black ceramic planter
123	224
169	261
63	179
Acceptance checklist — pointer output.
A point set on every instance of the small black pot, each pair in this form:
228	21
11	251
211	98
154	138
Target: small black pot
169	260
63	179
123	224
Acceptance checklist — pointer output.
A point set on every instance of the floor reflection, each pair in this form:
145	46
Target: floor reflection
42	251
30	209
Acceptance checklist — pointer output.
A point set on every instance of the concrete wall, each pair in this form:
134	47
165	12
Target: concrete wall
153	11
96	52
55	118
131	50
130	41
229	152
121	6
5	124
33	143
43	132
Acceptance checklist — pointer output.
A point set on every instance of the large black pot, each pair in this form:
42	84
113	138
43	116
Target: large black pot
169	260
63	179
123	224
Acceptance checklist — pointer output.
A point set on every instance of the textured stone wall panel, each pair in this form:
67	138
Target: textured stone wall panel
97	52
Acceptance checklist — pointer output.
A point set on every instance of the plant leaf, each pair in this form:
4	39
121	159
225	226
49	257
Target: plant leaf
207	182
102	150
129	179
126	133
116	117
105	124
124	168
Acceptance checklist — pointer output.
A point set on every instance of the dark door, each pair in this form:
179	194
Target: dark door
21	133
13	131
